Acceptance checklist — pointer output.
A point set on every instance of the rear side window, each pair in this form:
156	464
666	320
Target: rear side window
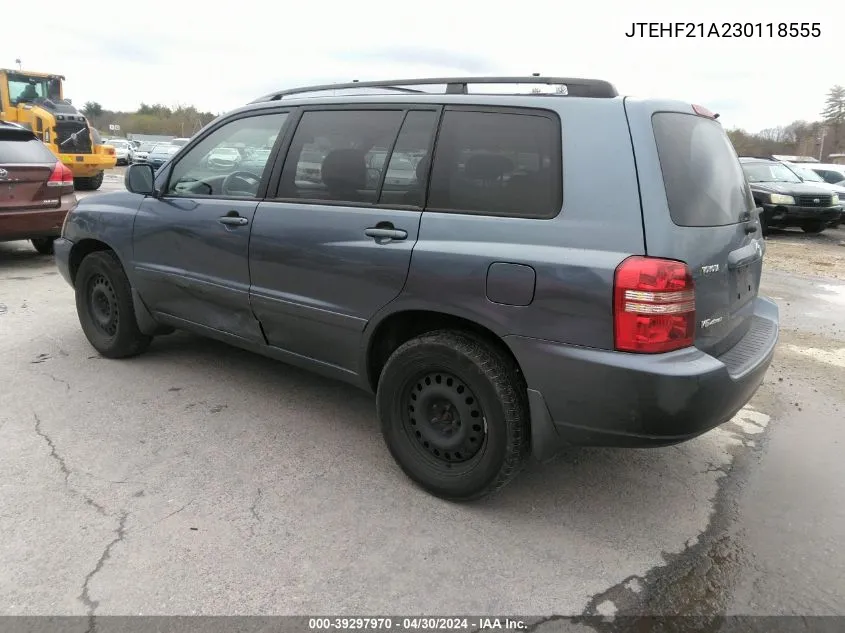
335	154
705	185
18	149
497	163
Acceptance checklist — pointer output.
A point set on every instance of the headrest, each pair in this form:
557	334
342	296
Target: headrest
487	166
345	169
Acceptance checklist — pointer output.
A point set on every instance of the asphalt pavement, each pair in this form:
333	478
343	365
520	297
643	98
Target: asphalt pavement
201	479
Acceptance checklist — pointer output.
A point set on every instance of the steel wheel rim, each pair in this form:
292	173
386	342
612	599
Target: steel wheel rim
102	305
443	419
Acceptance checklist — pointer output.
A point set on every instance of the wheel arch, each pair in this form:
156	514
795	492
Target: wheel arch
384	336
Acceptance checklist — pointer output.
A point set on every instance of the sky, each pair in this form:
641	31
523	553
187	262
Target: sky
187	52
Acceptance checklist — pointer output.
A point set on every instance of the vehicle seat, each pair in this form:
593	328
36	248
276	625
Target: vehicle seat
344	172
482	183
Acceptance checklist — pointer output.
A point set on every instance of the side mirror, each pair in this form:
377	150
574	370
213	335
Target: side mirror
140	178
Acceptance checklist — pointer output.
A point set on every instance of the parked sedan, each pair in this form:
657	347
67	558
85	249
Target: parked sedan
160	154
223	159
123	150
142	153
36	190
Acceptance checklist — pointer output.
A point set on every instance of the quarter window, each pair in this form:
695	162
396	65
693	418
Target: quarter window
229	162
338	155
497	163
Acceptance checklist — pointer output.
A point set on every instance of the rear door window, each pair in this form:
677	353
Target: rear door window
705	185
14	148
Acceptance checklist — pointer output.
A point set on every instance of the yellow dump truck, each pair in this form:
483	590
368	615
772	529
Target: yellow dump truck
36	101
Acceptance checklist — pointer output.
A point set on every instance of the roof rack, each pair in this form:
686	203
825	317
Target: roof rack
760	157
565	86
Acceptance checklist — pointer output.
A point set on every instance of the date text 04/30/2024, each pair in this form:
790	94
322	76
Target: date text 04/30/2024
725	29
416	623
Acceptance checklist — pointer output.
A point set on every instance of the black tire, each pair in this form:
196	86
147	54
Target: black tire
764	224
105	309
44	245
91	183
455	377
813	226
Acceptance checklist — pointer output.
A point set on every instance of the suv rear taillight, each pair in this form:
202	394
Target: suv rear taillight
61	176
653	306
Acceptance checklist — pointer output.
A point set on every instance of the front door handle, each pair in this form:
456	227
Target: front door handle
386	234
233	220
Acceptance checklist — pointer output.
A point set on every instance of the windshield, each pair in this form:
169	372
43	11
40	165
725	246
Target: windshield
807	174
164	150
225	151
119	143
146	147
769	172
27	88
702	177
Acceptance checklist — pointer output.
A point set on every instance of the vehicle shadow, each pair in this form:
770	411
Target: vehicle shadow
600	493
828	236
22	257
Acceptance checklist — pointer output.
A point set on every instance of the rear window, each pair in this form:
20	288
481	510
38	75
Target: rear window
705	185
24	151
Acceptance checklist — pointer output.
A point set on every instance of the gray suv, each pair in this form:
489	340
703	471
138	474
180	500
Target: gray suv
562	267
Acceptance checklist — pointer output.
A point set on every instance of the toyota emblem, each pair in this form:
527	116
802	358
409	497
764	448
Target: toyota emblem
3	174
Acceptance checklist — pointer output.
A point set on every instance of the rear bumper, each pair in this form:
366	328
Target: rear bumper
790	213
24	225
589	397
87	165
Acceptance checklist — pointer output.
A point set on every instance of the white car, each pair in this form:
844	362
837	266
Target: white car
834	174
124	151
142	152
223	158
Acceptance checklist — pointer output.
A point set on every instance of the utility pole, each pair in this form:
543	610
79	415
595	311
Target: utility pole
821	142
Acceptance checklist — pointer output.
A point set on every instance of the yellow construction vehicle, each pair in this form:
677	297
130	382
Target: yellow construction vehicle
36	101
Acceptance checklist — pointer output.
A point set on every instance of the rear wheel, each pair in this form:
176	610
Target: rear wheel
88	184
813	226
105	308
43	245
454	414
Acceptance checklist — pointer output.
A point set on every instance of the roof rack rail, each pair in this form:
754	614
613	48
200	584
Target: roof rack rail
759	157
569	86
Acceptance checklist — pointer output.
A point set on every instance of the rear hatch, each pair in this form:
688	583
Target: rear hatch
26	166
698	208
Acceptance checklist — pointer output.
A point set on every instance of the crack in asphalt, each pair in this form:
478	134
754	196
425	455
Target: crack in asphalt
66	472
59	380
85	595
53	452
254	512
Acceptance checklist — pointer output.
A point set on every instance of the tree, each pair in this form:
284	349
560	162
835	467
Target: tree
92	109
834	106
834	115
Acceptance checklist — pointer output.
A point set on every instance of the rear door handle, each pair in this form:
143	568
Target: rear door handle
386	234
233	220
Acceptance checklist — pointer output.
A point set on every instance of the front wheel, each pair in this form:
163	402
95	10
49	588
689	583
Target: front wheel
44	245
88	184
105	309
454	414
813	226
